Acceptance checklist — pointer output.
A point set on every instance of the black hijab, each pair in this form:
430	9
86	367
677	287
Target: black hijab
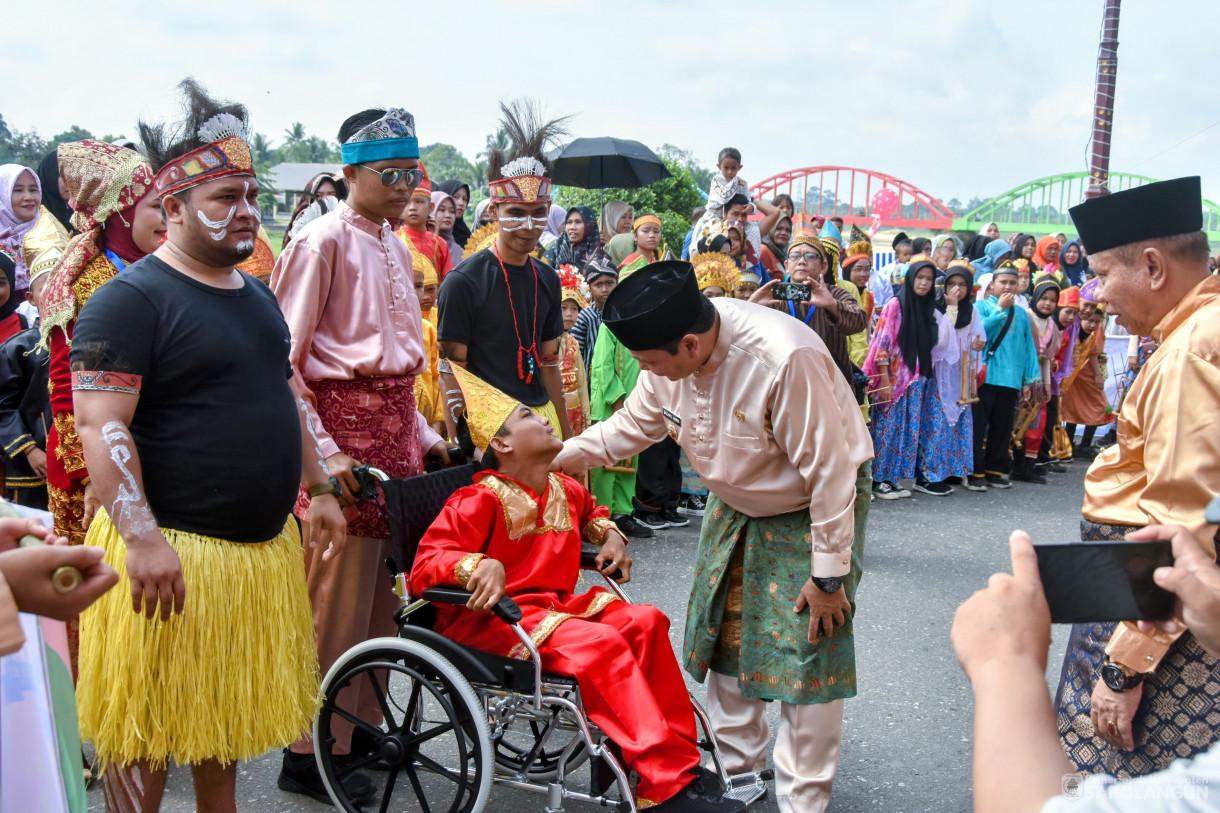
48	178
975	245
917	333
920	245
965	308
10	270
461	232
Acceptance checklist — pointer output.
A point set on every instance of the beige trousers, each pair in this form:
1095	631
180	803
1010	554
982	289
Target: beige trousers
806	745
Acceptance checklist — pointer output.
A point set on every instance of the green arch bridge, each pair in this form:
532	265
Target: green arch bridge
1041	206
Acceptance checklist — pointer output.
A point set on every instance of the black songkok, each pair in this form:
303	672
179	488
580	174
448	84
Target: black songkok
654	306
1143	213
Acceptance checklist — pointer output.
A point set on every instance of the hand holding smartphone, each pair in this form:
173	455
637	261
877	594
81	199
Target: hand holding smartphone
1088	582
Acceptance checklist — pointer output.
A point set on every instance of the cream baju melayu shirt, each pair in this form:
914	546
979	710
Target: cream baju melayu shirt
768	422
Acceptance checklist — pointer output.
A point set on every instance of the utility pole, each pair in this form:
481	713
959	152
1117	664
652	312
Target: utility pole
1103	108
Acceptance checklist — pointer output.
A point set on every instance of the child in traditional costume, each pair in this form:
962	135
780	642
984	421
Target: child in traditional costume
646	233
601	277
1083	400
428	383
575	298
517	531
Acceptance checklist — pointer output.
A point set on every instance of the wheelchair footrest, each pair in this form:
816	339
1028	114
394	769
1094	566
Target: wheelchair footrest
748	787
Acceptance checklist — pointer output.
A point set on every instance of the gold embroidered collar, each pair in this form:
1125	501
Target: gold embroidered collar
521	505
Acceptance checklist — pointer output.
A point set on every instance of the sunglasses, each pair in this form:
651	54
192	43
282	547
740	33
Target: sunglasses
392	177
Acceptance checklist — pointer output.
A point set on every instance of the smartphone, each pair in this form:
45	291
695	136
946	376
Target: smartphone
1086	582
791	291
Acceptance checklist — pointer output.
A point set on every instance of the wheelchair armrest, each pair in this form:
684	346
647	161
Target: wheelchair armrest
506	609
588	561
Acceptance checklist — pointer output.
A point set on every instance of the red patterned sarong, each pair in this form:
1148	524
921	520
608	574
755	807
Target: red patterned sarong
373	421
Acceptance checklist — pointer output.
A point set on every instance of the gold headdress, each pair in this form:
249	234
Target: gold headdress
44	244
518	174
422	264
486	407
716	270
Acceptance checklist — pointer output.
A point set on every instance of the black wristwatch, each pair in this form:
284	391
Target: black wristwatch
331	486
1118	678
830	585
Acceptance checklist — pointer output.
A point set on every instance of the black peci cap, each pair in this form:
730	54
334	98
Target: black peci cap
654	306
1143	213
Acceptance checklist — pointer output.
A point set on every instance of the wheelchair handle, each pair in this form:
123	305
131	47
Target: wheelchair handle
506	609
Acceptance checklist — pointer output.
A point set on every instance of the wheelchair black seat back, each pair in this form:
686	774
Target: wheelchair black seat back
435	723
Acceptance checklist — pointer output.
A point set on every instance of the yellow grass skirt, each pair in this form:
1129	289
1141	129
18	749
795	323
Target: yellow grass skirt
232	677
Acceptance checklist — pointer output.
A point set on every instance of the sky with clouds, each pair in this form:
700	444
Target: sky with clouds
962	98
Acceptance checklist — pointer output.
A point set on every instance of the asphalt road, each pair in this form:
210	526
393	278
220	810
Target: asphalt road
907	735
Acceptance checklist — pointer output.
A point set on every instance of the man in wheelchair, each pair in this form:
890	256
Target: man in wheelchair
518	531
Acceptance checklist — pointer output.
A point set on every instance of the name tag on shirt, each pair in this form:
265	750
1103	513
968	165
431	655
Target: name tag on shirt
672	418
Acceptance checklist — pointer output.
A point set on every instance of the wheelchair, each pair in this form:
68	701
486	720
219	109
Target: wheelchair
455	720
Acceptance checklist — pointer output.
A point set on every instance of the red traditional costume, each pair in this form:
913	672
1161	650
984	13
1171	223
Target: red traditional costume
106	181
571	363
434	248
619	653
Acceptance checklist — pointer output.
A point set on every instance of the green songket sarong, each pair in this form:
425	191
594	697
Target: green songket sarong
739	622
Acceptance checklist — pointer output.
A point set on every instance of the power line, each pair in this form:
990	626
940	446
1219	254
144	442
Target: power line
1175	146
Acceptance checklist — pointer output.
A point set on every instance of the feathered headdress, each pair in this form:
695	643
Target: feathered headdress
212	141
518	173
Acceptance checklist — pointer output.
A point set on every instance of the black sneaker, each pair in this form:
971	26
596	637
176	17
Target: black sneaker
650	519
1056	467
976	482
692	505
954	481
999	481
299	774
886	491
935	489
1029	476
630	527
1085	452
673	519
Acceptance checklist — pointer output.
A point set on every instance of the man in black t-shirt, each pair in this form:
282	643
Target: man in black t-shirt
194	438
500	314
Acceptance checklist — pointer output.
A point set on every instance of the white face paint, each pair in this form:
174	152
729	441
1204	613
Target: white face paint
130	511
245	245
219	227
253	211
526	222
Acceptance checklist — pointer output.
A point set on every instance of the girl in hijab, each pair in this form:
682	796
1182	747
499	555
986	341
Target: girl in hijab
945	249
11	322
554	225
481	218
956	358
460	192
991	231
1023	247
322	185
1072	264
1043	302
20	201
974	247
900	371
1046	254
617	218
580	240
646	244
996	252
54	190
444	213
775	247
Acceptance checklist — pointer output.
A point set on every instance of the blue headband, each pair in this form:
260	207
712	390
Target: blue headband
361	152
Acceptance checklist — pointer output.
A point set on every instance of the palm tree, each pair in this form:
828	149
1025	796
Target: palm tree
264	153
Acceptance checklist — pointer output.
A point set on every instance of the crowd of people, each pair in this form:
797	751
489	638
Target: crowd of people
764	377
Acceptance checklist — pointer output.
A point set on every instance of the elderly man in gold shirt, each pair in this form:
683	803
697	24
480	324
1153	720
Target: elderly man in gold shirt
773	429
1129	703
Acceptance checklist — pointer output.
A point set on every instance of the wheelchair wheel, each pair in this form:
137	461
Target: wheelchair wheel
428	748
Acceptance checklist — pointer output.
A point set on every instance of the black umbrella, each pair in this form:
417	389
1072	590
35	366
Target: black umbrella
598	163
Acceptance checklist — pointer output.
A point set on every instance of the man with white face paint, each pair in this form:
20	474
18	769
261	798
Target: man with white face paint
500	309
192	429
